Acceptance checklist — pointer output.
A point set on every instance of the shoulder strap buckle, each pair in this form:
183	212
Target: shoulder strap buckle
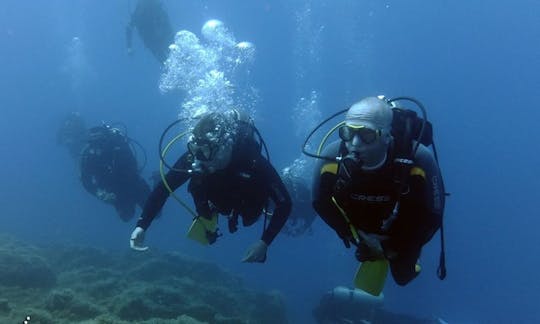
403	161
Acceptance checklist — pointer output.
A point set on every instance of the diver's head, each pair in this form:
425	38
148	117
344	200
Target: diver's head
98	134
366	132
211	142
72	130
105	135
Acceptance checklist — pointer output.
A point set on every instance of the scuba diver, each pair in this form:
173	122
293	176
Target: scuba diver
109	171
343	305
380	188
153	26
229	176
302	214
72	134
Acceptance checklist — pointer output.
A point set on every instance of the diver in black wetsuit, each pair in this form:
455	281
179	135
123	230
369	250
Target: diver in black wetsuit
153	27
109	171
228	176
386	205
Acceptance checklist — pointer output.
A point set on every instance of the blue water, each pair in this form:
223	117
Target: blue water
474	65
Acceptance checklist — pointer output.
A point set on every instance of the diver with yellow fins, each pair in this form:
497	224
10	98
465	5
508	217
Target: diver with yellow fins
379	186
228	175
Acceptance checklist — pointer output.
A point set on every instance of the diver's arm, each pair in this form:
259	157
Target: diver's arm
434	193
159	195
86	173
88	184
281	198
129	32
327	210
125	163
199	192
129	38
322	192
427	197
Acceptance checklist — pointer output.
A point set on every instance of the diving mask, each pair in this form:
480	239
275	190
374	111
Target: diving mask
203	150
366	134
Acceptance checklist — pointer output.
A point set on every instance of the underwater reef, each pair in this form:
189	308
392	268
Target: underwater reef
74	284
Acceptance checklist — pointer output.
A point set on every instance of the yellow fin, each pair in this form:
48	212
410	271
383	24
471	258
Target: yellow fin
416	171
329	168
371	276
200	227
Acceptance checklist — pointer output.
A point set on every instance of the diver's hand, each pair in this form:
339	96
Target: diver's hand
370	247
137	239
373	241
256	252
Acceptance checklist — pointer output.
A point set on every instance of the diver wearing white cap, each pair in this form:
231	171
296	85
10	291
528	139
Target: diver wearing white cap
379	192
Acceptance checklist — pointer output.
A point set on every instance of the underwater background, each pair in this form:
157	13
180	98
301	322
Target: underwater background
473	64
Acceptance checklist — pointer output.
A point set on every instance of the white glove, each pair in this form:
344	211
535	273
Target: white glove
256	253
137	239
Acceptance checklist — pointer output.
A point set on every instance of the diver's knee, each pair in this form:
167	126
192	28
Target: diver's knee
403	273
402	281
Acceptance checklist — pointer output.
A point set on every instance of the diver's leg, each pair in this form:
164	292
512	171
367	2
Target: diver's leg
403	266
125	210
140	191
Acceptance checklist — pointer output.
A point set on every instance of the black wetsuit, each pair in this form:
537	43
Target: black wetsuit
108	164
242	189
369	198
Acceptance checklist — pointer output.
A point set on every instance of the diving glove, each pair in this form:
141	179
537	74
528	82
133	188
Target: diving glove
212	236
370	248
137	239
256	253
365	253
